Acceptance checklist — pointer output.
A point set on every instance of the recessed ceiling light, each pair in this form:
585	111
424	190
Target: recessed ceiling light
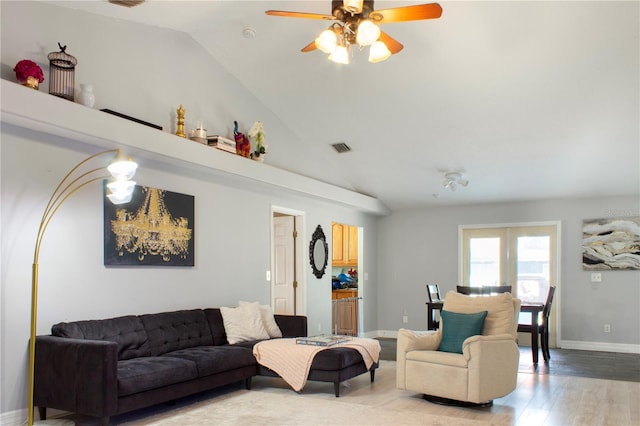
249	32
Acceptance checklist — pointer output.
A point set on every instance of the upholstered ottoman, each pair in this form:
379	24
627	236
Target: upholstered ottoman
335	364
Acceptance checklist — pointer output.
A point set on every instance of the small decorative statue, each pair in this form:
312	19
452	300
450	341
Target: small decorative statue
243	145
257	132
180	131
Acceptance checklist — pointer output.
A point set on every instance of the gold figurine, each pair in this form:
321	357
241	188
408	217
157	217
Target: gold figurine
180	131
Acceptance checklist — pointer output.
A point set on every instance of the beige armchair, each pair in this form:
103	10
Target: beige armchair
486	369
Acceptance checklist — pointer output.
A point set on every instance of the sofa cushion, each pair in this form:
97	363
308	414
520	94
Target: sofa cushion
456	328
171	331
127	331
268	320
216	359
501	316
243	323
335	359
146	373
216	325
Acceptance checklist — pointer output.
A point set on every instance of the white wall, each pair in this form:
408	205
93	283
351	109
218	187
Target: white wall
420	246
232	252
232	219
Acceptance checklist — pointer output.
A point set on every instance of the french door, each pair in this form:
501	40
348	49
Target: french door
523	256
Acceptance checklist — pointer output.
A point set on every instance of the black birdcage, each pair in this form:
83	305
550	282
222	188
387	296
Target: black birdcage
62	73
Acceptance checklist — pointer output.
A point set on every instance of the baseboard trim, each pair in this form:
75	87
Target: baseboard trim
390	334
600	346
564	344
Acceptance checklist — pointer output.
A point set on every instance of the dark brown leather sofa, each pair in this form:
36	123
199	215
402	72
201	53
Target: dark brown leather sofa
101	368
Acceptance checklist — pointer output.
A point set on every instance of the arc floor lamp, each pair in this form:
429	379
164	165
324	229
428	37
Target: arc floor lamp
119	191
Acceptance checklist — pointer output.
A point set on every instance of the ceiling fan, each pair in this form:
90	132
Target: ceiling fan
357	24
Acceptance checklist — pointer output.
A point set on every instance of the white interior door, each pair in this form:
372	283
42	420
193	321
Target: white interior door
282	288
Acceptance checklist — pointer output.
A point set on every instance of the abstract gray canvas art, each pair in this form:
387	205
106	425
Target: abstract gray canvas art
611	244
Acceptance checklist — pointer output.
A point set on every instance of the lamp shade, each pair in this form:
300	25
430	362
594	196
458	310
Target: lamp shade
378	52
327	41
120	191
340	55
117	199
123	169
368	33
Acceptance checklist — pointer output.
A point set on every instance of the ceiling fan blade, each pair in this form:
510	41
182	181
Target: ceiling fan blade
309	47
393	45
300	15
407	13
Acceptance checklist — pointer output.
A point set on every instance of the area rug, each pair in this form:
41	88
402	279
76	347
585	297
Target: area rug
251	408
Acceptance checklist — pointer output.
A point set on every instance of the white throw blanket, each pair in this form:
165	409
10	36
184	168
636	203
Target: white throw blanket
292	362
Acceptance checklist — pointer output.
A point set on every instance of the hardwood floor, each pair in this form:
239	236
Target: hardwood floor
539	399
564	362
574	388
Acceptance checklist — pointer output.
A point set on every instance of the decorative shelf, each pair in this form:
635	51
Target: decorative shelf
34	110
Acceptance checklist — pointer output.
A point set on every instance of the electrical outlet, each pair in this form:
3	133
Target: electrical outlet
405	319
607	328
596	277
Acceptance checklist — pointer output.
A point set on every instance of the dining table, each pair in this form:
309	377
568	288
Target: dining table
531	307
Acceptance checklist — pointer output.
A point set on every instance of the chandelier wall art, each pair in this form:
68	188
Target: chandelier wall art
155	228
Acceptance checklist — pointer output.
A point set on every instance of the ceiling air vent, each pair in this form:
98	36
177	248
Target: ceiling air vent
341	147
126	3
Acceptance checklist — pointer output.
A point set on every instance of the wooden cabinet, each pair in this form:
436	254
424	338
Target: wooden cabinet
343	294
345	245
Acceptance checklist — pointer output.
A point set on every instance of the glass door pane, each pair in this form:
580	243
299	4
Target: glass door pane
484	256
532	268
484	261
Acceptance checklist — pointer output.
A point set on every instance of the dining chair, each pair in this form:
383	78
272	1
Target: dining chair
484	290
433	291
543	325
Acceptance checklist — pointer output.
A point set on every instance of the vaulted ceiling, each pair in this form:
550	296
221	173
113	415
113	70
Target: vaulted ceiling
528	100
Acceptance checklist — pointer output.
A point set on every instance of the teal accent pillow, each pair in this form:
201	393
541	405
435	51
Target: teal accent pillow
456	328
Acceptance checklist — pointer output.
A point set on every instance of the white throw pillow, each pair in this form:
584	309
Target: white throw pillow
243	323
268	320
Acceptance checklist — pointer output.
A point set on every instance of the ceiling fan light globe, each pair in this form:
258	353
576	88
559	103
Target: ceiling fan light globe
340	55
327	41
353	6
368	33
378	52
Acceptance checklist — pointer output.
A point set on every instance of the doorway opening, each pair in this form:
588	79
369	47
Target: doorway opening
288	284
346	283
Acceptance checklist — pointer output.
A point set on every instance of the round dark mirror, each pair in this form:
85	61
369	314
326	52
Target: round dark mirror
318	252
